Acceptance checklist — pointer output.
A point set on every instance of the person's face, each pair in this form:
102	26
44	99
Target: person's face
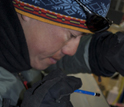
49	43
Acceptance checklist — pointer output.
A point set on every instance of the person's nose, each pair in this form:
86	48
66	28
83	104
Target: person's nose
71	46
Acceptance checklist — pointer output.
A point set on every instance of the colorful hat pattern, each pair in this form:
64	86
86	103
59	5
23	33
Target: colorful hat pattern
64	13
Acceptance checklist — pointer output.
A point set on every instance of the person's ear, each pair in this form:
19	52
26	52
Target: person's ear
25	18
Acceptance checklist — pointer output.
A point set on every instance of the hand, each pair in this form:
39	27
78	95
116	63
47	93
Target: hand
53	91
106	53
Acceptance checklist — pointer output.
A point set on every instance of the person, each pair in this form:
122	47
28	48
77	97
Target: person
36	34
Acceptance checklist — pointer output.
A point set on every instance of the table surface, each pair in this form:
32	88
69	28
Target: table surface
89	84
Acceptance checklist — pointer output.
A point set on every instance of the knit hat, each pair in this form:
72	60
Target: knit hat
64	13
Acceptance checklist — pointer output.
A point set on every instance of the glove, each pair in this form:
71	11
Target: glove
53	91
106	53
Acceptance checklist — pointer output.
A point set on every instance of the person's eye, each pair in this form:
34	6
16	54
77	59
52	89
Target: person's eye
72	36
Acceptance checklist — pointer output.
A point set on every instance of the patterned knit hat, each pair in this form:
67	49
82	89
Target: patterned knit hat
64	13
